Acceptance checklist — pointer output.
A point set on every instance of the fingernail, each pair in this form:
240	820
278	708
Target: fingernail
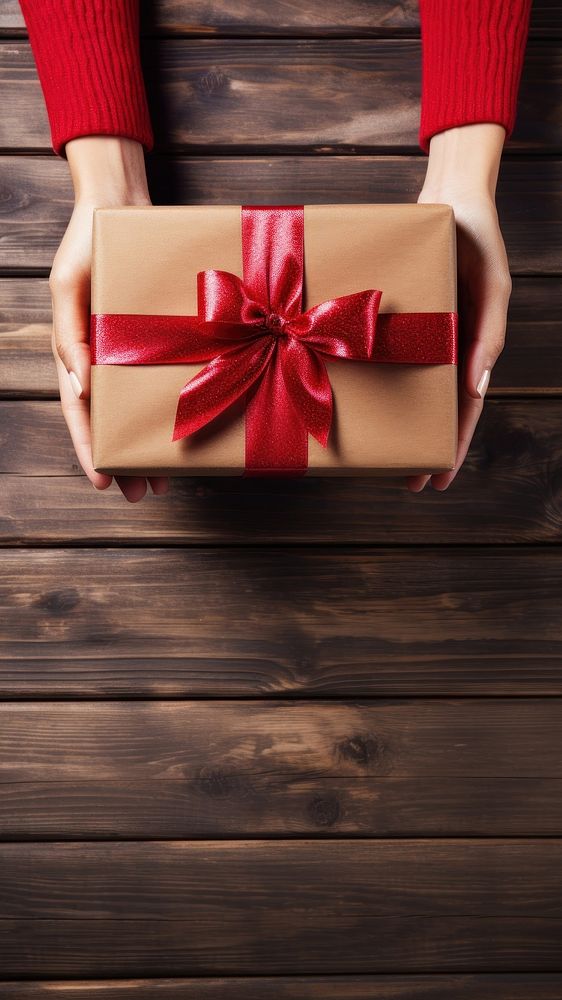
483	383
75	383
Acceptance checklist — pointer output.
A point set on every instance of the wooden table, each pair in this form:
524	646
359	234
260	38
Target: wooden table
296	739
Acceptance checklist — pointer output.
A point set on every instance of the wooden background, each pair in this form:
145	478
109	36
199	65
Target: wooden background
282	739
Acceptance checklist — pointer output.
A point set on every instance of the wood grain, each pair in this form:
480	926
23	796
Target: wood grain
268	622
149	769
222	804
236	95
541	986
302	906
274	17
36	197
163	740
508	490
124	947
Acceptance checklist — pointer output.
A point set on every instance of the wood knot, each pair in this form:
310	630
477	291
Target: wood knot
212	81
361	749
218	784
59	602
324	810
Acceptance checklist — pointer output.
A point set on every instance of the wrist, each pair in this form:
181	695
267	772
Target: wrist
107	170
464	162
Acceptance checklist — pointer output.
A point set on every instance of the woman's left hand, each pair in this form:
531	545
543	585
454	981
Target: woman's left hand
463	174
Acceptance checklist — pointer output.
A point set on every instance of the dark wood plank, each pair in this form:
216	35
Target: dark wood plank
273	17
225	804
508	490
123	947
241	94
540	986
159	740
262	17
27	368
132	809
36	197
274	907
117	770
229	622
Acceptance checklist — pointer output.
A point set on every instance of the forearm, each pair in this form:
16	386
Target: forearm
107	170
464	162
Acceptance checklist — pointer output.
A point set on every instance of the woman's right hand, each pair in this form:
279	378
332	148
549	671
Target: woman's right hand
107	171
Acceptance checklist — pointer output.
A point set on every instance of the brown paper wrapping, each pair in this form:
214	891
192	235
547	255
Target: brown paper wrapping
388	419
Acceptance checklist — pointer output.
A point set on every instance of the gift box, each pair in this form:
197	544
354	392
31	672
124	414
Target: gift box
274	340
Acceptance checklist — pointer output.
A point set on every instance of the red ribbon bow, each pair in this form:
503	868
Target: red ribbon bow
271	344
262	344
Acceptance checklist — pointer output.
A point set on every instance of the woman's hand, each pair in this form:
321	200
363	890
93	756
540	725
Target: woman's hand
107	171
462	171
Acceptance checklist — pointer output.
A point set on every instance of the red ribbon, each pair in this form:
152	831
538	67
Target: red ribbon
259	342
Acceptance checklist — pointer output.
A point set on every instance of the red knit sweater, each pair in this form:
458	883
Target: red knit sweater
88	60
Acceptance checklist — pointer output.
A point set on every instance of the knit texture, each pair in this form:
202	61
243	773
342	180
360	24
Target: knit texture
472	58
87	55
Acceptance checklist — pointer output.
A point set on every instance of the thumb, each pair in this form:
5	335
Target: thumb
71	328
485	320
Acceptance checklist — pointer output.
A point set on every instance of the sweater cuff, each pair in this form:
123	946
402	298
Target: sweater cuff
88	62
472	58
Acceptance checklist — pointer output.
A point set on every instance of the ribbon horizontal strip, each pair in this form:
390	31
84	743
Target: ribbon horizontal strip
258	342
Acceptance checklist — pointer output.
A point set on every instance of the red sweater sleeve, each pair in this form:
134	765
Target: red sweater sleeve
472	57
88	61
87	54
